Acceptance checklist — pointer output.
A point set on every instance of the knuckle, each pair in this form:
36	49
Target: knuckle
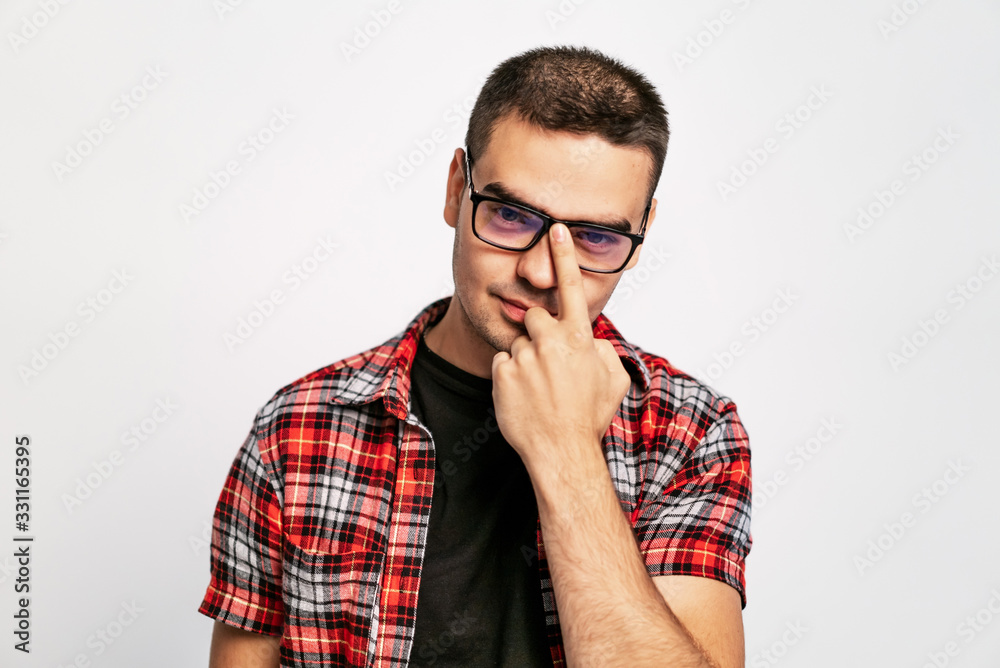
578	338
572	282
502	372
625	383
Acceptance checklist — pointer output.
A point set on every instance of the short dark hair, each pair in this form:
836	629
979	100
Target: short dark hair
573	89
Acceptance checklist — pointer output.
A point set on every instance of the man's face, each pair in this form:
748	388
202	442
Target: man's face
567	176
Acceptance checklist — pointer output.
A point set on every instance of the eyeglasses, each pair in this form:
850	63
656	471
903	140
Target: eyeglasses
517	227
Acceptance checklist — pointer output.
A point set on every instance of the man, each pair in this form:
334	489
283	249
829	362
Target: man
507	481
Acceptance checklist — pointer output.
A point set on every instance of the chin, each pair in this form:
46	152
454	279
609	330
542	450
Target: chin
499	335
488	326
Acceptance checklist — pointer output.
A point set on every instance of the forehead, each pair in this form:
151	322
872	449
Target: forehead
571	176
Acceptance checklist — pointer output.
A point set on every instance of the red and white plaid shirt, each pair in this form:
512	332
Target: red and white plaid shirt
320	529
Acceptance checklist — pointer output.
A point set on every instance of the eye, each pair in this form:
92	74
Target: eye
509	214
594	238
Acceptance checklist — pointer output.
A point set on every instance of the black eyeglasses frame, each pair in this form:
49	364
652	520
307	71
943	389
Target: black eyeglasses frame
547	222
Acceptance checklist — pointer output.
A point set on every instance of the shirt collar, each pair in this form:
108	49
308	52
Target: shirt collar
384	371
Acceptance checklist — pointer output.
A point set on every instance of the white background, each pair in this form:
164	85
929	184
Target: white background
824	561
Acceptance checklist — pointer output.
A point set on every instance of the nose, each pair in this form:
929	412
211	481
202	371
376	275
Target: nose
535	265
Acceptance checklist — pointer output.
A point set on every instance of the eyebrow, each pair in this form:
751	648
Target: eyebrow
499	190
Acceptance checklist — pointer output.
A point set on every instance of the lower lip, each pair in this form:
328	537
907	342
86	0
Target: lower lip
515	313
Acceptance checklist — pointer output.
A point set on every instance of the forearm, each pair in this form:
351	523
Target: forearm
610	611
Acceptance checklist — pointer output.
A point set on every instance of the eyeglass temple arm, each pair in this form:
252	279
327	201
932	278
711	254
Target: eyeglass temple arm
468	168
645	218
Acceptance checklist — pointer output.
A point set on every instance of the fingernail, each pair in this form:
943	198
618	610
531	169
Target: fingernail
559	232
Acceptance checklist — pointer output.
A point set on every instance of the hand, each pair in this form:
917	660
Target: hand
559	388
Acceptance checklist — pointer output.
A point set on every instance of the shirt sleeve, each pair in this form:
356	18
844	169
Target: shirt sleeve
698	523
246	555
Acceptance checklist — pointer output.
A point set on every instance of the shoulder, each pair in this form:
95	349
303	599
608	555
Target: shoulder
668	409
676	404
688	428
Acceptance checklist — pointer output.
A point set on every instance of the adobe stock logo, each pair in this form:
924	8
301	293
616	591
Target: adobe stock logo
777	650
913	168
101	640
787	125
650	261
295	277
923	500
753	328
562	12
796	458
249	149
967	630
927	329
453	119
900	16
700	42
59	340
31	26
104	469
223	7
121	108
381	18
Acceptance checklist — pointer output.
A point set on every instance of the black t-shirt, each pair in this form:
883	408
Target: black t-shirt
480	601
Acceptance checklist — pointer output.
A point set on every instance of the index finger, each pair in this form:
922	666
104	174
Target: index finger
569	279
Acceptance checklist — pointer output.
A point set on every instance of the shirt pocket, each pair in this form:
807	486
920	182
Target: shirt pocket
330	600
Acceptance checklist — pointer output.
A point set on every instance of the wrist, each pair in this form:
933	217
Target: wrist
567	486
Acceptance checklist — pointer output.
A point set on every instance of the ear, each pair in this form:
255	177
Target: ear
455	188
649	223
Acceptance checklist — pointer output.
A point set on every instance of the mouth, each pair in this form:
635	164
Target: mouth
514	309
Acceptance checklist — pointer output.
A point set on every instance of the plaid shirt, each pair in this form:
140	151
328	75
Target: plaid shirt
320	529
